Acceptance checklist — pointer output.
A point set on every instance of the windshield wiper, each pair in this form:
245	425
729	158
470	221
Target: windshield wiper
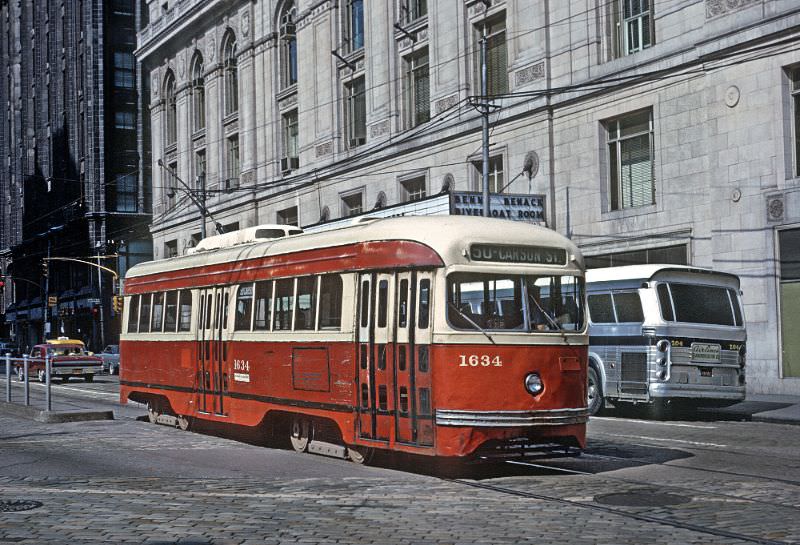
544	313
468	319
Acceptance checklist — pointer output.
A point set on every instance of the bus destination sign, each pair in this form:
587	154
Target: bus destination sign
536	255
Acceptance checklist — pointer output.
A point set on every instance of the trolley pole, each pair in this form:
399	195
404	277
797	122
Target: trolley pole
484	109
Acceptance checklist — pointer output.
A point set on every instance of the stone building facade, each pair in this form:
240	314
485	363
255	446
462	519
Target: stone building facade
662	131
69	186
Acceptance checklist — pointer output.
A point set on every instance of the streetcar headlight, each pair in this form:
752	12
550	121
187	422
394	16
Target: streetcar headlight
662	345
534	384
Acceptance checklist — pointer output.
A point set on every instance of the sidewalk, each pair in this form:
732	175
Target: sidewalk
776	409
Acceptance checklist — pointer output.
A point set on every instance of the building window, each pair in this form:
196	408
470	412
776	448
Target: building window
354	25
199	168
123	70
172	184
496	55
288	46
675	255
356	112
291	155
171	132
630	160
796	113
125	121
416	83
126	192
631	26
411	10
789	245
198	94
352	204
171	248
232	161
496	178
413	190
288	216
122	7
230	75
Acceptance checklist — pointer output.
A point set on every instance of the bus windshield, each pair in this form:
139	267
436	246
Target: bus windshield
515	303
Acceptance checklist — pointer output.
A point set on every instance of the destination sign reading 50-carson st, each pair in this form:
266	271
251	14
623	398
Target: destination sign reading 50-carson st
518	254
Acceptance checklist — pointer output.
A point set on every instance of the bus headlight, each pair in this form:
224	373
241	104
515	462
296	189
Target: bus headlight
534	384
662	345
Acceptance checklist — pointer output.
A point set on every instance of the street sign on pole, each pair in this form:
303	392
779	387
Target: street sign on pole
52	301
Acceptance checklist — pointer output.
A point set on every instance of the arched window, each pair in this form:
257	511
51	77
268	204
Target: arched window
198	94
288	45
171	125
231	74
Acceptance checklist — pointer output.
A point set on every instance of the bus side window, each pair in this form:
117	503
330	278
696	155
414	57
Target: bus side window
601	309
133	314
628	306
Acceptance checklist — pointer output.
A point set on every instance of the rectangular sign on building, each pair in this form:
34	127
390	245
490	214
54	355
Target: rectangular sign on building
516	207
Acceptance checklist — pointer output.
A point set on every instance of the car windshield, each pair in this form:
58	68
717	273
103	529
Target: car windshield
514	302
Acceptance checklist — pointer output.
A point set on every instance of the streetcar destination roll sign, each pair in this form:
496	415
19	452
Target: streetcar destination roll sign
518	254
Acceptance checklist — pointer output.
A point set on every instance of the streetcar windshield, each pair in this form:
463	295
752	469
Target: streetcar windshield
515	302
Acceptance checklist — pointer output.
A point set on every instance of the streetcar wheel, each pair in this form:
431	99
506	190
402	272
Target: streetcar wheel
42	375
360	455
298	434
152	414
184	422
594	392
88	378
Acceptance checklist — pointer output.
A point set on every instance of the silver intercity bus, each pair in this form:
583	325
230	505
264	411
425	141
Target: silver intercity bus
664	335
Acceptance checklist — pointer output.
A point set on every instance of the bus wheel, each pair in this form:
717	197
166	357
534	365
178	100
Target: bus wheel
360	455
594	392
298	434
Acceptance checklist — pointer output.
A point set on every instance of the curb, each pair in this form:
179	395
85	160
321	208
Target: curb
775	420
54	417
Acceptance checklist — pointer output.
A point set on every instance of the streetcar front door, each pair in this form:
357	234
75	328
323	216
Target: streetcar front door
413	394
375	356
212	350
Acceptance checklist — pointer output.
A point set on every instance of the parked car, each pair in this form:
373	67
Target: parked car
69	359
110	356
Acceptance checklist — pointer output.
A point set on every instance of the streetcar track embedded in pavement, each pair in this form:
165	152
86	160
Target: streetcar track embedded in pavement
621	512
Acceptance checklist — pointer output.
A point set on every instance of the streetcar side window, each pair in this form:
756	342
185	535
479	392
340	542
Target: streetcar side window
601	309
330	302
185	316
284	303
365	303
144	314
306	304
133	314
158	312
402	305
171	312
244	307
424	303
263	307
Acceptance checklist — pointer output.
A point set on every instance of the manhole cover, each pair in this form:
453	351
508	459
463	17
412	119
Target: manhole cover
640	498
9	506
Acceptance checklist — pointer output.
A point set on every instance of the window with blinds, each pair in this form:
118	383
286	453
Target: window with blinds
417	88
631	25
496	55
795	75
630	149
290	141
789	245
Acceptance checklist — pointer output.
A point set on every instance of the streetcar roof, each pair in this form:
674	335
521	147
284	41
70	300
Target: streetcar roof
448	236
646	273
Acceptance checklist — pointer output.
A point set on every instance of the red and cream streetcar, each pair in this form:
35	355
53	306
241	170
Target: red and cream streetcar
446	336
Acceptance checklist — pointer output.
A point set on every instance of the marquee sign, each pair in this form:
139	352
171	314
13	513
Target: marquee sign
527	208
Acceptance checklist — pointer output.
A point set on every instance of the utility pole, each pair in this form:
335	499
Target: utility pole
484	109
45	299
98	247
200	202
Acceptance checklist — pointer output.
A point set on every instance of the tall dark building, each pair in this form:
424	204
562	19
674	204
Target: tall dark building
69	180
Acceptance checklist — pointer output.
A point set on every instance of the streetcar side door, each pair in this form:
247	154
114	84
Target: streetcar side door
212	349
413	392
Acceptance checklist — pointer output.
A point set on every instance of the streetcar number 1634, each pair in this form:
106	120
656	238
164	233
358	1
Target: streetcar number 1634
474	360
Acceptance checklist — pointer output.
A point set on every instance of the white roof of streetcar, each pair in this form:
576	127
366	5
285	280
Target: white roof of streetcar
448	236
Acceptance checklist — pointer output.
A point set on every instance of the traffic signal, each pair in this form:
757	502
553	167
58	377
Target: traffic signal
117	304
96	312
2	282
45	268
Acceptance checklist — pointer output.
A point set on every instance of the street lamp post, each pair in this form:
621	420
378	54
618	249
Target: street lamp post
200	203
